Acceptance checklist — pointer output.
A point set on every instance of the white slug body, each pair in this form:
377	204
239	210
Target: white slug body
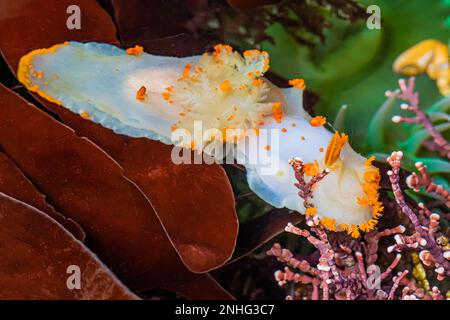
143	95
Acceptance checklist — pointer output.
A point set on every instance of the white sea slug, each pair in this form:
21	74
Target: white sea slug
143	95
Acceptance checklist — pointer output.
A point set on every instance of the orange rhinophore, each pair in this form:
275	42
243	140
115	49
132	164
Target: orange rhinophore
334	148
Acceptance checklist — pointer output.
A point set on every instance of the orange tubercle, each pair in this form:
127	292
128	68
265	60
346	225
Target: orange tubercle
135	51
329	223
298	83
334	148
277	112
85	115
318	121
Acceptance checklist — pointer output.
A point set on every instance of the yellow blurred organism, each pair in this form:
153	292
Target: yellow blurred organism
430	57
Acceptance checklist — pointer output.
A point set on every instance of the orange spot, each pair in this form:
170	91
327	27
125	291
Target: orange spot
141	93
310	211
321	149
302	138
85	115
136	51
298	83
182	114
277	112
318	121
293	125
283	130
267	147
257	82
225	86
230	117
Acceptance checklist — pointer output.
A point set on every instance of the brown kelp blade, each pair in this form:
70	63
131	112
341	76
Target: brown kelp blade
161	28
14	184
256	232
41	260
195	203
28	25
86	185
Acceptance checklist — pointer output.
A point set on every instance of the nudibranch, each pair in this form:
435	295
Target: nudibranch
430	57
143	95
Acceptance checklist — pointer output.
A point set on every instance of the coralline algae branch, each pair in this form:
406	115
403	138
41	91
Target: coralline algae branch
424	237
411	98
342	268
143	95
